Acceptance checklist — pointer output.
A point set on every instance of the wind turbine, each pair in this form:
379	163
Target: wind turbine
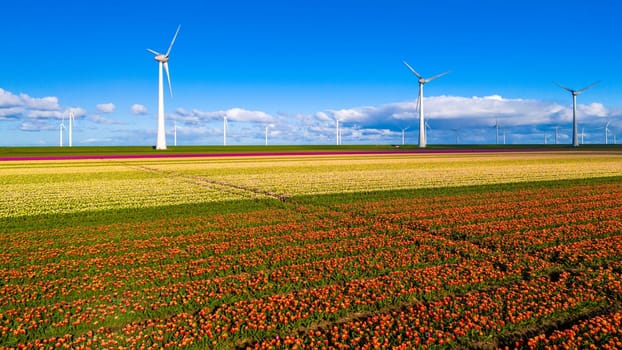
175	134
224	128
457	135
504	136
497	131
71	117
266	135
545	137
607	133
163	62
422	81
61	127
582	135
575	137
556	131
403	130
338	132
427	126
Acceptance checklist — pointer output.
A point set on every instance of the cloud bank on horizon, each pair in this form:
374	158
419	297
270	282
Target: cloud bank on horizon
474	118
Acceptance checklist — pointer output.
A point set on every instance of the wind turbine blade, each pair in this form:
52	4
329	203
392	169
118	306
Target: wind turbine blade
173	41
154	52
412	70
436	76
563	87
168	77
588	87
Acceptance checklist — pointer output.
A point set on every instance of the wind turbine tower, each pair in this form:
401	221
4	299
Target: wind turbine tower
607	133
422	81
61	127
175	134
497	131
338	132
457	136
266	135
575	136
556	132
403	130
71	116
163	62
224	133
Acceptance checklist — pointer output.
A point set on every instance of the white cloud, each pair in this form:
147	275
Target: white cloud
469	111
243	115
593	109
22	106
43	114
36	125
49	103
354	115
7	99
98	119
78	112
138	109
233	114
11	113
322	116
94	140
106	107
196	116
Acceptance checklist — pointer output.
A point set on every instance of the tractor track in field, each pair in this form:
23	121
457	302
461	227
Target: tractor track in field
203	181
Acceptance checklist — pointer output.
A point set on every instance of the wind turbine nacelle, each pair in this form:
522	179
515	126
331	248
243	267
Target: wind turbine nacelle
161	58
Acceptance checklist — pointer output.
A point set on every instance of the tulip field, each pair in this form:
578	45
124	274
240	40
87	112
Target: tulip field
404	251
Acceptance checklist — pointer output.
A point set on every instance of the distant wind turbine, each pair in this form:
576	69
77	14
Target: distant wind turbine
163	62
224	128
61	127
457	135
545	137
575	137
71	117
582	135
422	81
427	126
497	131
338	132
556	132
607	133
175	134
403	130
266	135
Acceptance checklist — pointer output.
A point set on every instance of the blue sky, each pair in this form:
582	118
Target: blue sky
294	66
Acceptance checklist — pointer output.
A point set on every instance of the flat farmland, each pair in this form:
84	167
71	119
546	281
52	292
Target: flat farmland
468	250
